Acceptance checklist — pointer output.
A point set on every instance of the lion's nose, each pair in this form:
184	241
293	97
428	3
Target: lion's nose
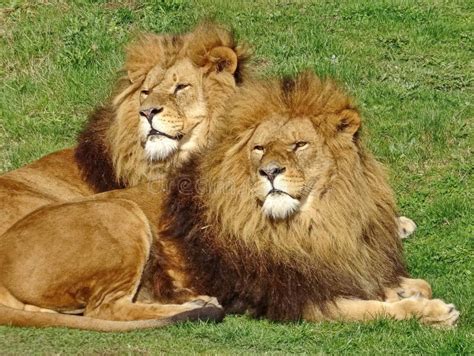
271	170
150	113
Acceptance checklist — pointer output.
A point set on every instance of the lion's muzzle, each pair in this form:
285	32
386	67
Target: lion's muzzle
271	170
278	203
149	113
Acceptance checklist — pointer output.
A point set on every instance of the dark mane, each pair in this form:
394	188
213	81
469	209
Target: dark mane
92	151
242	281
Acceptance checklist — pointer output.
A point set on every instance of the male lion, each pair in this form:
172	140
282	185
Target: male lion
158	115
284	216
290	217
161	115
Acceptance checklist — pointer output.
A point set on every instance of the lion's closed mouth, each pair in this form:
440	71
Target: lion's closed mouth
154	132
278	192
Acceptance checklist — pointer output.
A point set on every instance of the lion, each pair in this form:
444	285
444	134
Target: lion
157	116
161	114
285	216
290	217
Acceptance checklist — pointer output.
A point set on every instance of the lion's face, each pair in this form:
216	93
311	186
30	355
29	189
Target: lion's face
286	158
163	107
172	106
288	144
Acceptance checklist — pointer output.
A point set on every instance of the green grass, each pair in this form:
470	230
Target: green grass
410	66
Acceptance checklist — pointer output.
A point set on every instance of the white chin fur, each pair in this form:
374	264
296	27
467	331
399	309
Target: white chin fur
280	206
160	147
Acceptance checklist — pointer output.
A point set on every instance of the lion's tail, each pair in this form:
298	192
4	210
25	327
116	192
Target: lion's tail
16	317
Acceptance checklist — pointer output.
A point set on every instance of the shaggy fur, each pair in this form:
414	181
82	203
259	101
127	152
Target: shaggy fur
109	151
347	247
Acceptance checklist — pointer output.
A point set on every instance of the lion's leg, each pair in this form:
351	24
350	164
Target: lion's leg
99	259
408	287
34	308
429	311
8	300
406	227
114	300
124	309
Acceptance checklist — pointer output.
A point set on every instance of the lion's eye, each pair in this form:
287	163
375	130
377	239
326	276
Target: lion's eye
258	148
300	144
181	87
145	92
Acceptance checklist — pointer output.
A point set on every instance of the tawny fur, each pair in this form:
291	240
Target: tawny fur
83	266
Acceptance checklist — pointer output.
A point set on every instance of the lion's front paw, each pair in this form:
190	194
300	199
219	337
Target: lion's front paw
406	227
204	301
408	287
439	314
204	308
414	287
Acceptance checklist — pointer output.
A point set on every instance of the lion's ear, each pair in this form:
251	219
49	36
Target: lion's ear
142	55
221	59
136	79
136	76
348	121
242	140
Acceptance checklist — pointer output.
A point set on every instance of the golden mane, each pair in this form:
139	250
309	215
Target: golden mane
307	96
349	247
109	151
